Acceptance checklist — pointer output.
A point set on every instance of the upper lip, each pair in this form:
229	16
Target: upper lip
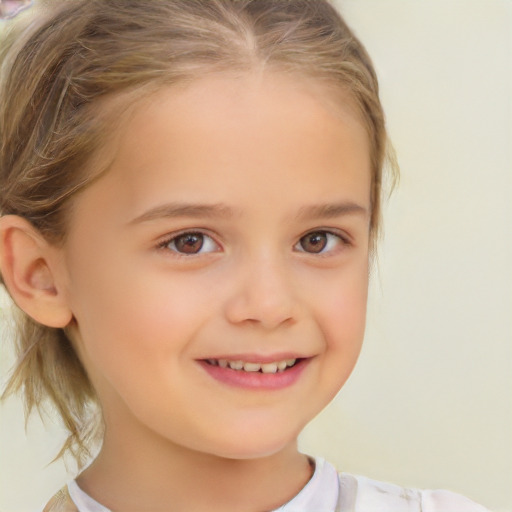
258	358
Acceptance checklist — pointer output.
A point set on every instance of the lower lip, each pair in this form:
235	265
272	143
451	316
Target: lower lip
256	380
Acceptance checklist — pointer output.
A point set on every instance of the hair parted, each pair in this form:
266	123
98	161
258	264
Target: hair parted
60	63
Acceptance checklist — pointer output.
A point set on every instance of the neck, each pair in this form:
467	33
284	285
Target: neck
152	473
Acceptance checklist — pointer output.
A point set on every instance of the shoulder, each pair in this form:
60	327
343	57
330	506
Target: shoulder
362	494
61	502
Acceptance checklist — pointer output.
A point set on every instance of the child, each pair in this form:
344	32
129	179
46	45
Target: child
190	199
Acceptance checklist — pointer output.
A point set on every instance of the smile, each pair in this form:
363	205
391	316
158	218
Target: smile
272	367
257	375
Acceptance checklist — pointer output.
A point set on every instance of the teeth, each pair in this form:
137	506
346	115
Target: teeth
253	367
282	365
269	368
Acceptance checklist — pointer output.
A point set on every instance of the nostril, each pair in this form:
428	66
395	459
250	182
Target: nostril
256	313
262	296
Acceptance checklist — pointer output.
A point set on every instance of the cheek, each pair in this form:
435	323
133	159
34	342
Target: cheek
342	318
343	321
341	307
125	320
131	336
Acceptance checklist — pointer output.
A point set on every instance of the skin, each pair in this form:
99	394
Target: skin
283	161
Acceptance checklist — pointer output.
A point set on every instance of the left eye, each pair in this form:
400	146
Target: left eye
191	243
318	242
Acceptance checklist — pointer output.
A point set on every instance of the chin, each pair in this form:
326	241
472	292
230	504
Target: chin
256	444
251	453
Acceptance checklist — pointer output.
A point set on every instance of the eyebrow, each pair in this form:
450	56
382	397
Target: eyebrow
219	210
173	210
331	210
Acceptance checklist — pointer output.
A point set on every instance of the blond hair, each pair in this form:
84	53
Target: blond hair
56	68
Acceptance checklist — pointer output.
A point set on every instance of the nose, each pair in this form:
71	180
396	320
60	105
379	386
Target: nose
263	295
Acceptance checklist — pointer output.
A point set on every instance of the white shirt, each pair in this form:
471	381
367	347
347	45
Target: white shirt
329	491
320	493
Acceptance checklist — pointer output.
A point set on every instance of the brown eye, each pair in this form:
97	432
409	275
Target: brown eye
189	243
321	242
314	242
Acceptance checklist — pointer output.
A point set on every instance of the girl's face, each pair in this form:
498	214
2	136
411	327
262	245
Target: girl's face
231	230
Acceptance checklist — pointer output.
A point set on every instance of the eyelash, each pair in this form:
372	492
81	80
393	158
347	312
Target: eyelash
339	238
164	245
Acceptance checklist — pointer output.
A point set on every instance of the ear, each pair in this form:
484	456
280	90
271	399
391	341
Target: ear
29	266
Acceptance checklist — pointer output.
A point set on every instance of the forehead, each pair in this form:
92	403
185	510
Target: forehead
228	131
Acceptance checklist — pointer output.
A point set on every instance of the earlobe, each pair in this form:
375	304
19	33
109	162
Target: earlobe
28	266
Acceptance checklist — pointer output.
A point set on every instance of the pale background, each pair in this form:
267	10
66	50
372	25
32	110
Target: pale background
430	404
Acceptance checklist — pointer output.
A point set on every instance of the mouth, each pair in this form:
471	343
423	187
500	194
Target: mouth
256	374
254	367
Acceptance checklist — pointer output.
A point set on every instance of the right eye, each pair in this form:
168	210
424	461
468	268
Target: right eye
191	243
